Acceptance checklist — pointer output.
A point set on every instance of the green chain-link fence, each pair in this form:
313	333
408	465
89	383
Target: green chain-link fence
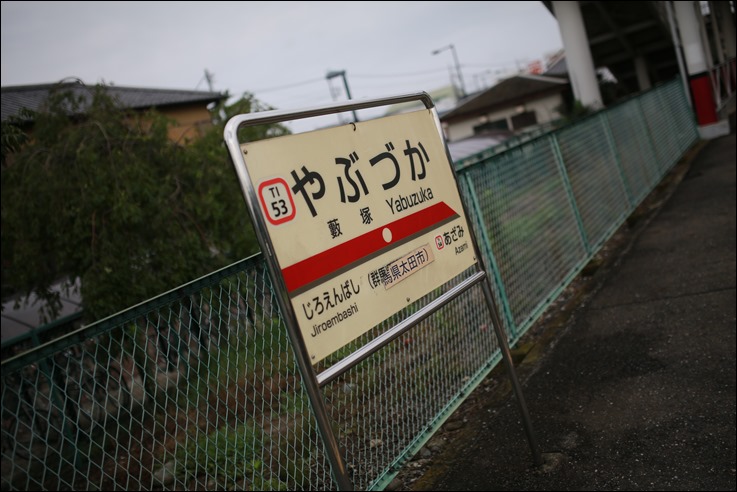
198	388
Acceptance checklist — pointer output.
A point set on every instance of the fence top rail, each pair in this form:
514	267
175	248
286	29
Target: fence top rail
113	321
500	149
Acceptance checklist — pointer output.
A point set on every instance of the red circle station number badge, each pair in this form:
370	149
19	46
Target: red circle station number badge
277	202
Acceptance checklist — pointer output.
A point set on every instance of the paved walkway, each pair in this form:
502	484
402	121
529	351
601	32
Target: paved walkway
637	390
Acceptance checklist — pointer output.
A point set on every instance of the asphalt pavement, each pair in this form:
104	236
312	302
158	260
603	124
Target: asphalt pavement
635	390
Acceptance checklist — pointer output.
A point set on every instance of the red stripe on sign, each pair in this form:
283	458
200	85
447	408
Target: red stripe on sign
323	264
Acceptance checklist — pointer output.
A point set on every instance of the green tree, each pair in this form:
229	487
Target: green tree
103	195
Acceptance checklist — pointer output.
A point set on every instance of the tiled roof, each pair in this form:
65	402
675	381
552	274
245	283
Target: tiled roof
507	92
33	96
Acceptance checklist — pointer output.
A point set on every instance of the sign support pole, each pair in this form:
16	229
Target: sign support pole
507	356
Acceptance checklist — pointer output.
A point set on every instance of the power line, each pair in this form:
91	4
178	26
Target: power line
434	71
209	77
501	64
410	74
426	82
198	83
288	86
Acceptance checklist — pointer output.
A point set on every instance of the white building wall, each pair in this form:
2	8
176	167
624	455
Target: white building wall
462	129
546	108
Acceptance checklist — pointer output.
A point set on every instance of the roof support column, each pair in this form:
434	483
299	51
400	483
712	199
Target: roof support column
643	75
578	54
697	68
725	19
705	44
716	33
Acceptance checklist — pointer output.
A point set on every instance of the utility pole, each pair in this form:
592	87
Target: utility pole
209	79
458	66
341	73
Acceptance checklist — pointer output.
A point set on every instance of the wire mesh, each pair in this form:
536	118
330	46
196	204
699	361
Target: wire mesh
543	225
591	166
670	123
530	223
200	392
375	405
635	148
198	388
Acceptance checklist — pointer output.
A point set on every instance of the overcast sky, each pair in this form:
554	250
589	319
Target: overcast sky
279	51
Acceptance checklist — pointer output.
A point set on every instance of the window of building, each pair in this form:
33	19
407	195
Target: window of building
501	124
522	120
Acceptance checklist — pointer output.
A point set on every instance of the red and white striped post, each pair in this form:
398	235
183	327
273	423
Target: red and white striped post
698	67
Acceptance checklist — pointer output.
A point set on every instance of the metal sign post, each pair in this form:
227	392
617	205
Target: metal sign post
357	222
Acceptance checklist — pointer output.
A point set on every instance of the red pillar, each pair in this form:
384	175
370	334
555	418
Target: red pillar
702	96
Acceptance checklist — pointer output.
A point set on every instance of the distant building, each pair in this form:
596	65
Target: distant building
188	109
486	118
515	104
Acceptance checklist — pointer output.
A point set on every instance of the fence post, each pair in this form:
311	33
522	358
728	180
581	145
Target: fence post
649	132
569	192
486	241
604	118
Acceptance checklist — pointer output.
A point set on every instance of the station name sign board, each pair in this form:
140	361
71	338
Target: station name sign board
363	219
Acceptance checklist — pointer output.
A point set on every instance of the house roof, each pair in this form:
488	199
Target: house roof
508	92
33	96
557	65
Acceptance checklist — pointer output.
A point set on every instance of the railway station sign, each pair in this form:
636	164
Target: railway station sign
363	219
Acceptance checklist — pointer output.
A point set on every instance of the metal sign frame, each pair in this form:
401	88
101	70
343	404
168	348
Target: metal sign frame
313	381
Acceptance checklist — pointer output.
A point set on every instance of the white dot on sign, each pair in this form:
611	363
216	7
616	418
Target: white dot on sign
387	234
